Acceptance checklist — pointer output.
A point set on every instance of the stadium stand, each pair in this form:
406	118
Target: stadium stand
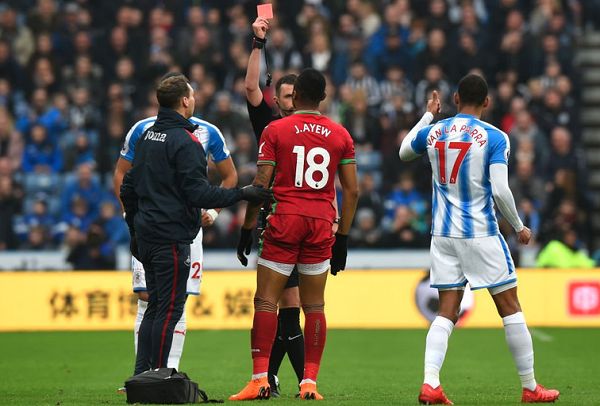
75	75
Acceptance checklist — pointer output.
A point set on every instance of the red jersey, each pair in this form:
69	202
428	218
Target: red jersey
306	149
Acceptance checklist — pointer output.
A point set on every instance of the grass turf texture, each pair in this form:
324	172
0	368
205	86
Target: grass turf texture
360	367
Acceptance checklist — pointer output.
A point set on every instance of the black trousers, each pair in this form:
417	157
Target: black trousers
167	269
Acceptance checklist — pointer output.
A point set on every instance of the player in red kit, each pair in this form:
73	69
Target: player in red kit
302	152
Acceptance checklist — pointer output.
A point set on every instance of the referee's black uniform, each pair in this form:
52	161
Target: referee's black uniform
163	193
260	117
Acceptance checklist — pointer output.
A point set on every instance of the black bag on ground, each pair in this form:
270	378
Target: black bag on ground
164	386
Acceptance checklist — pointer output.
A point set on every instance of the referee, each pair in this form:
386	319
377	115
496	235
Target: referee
163	194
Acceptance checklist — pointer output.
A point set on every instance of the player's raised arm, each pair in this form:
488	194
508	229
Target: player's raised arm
407	150
253	92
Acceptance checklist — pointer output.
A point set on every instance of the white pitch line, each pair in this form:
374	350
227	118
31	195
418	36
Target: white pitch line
540	335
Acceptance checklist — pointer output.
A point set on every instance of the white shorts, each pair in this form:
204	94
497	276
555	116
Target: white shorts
483	262
196	268
286	269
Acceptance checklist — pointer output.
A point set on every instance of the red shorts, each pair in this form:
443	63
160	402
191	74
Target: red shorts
294	239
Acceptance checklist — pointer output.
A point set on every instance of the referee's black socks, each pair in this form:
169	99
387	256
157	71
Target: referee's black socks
291	334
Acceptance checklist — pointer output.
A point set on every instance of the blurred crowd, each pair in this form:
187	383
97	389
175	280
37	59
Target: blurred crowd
76	75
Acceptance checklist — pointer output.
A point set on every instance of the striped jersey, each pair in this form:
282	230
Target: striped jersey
209	135
461	150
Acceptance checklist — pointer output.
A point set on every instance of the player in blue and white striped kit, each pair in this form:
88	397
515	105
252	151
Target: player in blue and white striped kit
214	144
469	160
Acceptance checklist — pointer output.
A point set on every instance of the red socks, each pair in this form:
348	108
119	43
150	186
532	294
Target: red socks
315	333
264	329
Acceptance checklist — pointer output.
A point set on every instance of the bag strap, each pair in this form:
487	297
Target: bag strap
205	398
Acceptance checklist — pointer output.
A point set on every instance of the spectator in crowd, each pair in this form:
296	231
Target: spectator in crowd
8	208
436	53
403	232
90	254
89	67
111	221
83	74
370	198
361	80
80	152
11	142
86	188
554	114
41	111
364	127
244	157
231	123
366	232
41	155
526	185
282	55
405	194
19	37
40	218
38	239
9	67
563	155
564	252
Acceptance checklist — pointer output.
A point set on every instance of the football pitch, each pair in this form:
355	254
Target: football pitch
360	367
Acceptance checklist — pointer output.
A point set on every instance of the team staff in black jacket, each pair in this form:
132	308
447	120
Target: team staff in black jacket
163	194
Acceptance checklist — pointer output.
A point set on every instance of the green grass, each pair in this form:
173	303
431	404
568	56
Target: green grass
360	367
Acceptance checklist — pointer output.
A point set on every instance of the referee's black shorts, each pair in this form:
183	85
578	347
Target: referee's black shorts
294	279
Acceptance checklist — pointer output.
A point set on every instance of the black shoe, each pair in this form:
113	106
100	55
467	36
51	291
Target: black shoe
275	388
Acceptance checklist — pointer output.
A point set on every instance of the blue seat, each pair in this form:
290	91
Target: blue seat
368	161
71	177
49	183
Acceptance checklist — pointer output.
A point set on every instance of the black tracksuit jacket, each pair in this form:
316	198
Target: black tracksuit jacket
166	186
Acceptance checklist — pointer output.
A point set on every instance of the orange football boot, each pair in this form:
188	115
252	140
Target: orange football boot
308	391
256	389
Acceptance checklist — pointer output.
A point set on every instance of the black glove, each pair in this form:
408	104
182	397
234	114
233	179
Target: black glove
244	244
256	193
339	252
133	247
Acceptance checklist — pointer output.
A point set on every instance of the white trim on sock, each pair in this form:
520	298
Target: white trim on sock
516	318
258	376
444	323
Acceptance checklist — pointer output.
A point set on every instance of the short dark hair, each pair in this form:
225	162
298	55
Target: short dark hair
288	79
310	85
171	90
472	90
170	75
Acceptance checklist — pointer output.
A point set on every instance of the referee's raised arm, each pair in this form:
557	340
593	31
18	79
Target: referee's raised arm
253	92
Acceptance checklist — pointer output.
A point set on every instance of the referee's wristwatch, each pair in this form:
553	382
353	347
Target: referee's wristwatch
258	43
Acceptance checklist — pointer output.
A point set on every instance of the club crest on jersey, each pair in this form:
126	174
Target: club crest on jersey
199	132
313	128
137	276
188	261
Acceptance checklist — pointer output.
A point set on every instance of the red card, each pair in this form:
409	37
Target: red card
265	10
